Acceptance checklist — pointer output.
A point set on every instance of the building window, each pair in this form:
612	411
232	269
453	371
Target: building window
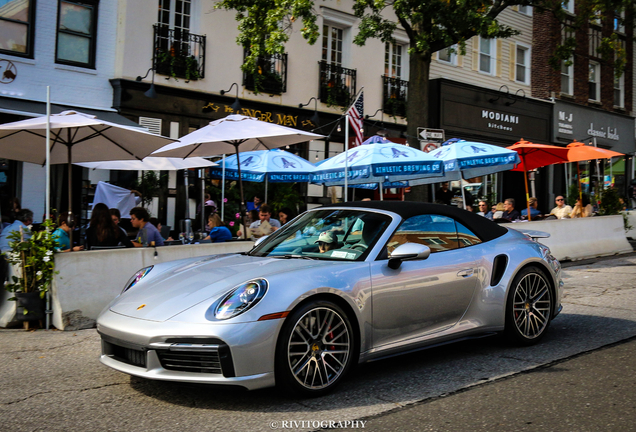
487	55
619	22
526	10
568	6
176	17
619	91
448	55
77	33
567	77
522	64
332	44
594	81
17	19
393	60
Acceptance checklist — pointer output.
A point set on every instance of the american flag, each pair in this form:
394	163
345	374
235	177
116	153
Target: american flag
356	113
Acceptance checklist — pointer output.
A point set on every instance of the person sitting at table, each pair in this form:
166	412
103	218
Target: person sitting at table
148	234
157	224
103	231
115	214
561	211
498	211
510	214
65	225
254	205
583	208
483	210
219	232
534	212
252	216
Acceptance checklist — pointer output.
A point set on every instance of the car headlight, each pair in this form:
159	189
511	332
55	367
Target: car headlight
241	299
136	278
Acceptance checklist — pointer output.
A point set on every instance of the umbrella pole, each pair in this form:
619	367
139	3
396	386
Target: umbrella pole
381	192
223	190
187	194
578	174
47	198
525	179
461	185
70	186
201	173
346	173
266	183
242	207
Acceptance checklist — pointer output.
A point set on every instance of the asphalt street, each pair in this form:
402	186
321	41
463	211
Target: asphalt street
53	381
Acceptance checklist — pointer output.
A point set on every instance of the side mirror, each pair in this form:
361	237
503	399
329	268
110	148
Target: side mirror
259	241
407	252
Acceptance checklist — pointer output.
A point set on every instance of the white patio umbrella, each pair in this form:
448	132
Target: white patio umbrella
150	163
75	137
234	134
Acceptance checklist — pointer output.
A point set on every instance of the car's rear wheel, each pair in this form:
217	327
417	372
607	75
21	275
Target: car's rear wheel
529	307
315	349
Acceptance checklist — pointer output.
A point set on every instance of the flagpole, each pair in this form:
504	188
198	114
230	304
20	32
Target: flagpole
47	200
346	173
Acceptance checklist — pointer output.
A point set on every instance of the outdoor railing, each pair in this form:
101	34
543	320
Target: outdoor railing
178	53
270	76
394	96
337	84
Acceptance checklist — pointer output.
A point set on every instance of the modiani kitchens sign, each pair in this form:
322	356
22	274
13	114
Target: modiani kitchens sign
572	122
486	114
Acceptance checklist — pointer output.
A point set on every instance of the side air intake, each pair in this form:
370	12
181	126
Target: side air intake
498	269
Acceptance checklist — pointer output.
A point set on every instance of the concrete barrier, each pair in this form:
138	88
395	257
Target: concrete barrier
631	221
581	238
88	281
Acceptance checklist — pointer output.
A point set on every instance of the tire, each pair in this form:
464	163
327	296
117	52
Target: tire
315	349
529	307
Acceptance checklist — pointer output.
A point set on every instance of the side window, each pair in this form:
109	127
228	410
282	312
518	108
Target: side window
435	231
465	236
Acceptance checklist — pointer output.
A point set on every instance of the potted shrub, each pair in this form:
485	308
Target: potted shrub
33	264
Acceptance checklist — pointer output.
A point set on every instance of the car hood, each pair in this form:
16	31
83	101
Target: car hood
171	288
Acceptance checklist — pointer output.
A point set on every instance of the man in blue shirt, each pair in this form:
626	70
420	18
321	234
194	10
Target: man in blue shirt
148	234
23	218
534	212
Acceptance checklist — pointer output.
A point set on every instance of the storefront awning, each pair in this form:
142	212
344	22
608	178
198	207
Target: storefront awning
29	108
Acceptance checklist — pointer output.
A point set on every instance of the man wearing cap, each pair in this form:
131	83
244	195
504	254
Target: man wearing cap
327	241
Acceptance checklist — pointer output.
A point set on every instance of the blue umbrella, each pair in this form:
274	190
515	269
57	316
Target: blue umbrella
378	160
467	159
276	166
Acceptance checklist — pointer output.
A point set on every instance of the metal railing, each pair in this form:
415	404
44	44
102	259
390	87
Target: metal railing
394	95
337	84
178	53
270	76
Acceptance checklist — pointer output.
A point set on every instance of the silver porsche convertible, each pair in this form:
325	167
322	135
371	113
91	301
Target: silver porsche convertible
338	285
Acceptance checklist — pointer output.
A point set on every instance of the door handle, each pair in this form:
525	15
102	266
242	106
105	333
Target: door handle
466	273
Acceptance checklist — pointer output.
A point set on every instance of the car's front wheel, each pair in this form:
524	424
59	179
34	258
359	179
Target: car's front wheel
529	306
315	349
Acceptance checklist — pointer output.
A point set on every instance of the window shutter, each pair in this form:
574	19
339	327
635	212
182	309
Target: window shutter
460	59
152	124
475	53
515	8
512	63
498	59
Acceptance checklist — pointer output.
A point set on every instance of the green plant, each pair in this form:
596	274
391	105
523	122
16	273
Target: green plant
32	254
337	93
610	202
149	186
177	66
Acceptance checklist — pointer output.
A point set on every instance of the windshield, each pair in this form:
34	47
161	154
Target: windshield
345	235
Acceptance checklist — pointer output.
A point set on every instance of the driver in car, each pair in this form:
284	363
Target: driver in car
327	241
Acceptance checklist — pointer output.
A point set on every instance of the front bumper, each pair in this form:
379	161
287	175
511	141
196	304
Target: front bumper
211	353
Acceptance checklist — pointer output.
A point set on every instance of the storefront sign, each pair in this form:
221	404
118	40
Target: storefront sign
483	114
266	116
573	122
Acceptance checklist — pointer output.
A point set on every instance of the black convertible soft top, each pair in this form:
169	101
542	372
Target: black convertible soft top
485	229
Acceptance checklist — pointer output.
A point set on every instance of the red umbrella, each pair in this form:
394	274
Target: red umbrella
536	156
578	151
